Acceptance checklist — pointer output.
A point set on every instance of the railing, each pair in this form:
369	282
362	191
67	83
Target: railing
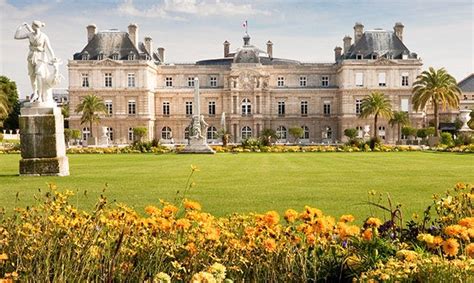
11	134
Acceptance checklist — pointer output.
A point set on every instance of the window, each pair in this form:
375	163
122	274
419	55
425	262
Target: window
212	108
327	108
85	56
359	79
169	82
281	133
211	133
246	132
100	56
85	80
404	104
281	108
132	107
189	108
382	81
360	132
166	133
86	133
305	132
405	79
115	56
358	105
166	108
281	82
359	57
374	56
213	81
131	135
327	133
110	133
131	56
325	81
190	81
131	80
382	132
246	107
302	81
304	108
108	79
186	133
109	108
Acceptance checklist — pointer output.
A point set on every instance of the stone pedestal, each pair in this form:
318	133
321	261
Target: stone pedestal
43	148
196	145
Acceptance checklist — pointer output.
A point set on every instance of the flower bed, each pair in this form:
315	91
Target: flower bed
54	241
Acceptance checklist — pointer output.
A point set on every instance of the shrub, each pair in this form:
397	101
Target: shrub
1	137
268	137
447	139
67	135
409	131
251	142
139	133
351	133
297	133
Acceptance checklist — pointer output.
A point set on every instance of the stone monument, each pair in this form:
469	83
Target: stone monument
465	116
198	129
43	148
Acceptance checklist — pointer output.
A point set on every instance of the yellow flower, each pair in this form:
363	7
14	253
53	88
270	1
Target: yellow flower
203	277
212	234
311	239
373	222
470	250
183	224
346	218
3	256
291	215
437	241
192	205
407	255
450	247
194	168
270	245
152	210
218	270
162	278
169	210
467	222
191	248
453	230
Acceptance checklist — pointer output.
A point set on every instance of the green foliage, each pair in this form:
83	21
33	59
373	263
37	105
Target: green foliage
296	132
351	133
9	103
447	139
409	131
430	131
90	107
1	137
399	119
437	86
75	134
139	133
268	137
378	105
421	133
471	122
67	135
251	143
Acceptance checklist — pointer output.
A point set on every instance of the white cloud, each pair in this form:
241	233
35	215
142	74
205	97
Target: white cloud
169	8
15	13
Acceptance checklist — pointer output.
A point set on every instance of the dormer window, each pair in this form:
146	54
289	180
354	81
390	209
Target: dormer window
359	56
389	55
405	55
85	55
115	56
131	56
374	56
147	57
100	56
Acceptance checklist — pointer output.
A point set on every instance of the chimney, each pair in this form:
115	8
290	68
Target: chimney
270	49
398	29
161	54
149	45
337	53
358	32
91	30
226	48
133	34
347	43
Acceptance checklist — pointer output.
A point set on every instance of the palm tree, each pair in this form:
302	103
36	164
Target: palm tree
436	86
378	105
4	108
91	106
399	118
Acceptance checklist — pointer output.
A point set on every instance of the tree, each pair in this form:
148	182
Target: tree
471	122
436	86
351	133
139	133
399	118
297	133
268	136
9	93
409	131
91	106
378	105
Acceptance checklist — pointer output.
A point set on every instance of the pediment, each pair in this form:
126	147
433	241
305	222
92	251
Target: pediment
108	62
384	62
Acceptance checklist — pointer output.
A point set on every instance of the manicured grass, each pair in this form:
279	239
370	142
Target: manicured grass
337	183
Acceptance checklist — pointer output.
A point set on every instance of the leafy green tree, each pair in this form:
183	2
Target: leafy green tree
378	105
408	131
437	86
75	135
399	118
139	133
9	93
297	133
471	122
268	136
351	133
90	107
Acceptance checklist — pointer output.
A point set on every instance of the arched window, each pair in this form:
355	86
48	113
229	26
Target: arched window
85	55
86	133
131	56
211	133
246	107
131	135
305	132
166	133
246	132
281	133
186	133
110	133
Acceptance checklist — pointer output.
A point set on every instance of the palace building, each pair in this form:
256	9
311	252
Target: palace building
249	90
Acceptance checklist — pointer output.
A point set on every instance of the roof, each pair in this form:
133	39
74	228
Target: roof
467	84
112	42
381	43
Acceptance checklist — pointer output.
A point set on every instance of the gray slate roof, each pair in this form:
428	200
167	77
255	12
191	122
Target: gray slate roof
382	43
467	84
111	42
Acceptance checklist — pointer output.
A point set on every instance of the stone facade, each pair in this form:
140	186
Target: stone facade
253	89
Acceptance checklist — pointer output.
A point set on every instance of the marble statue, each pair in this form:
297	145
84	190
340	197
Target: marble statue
40	57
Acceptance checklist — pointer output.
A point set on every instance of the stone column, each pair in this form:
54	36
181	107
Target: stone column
43	149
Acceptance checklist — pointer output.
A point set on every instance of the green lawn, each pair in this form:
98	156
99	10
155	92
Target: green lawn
337	183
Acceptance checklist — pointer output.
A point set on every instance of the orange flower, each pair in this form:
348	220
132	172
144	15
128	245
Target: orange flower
453	230
192	205
346	218
367	234
191	248
436	243
271	218
183	224
212	234
451	247
152	210
3	256
310	213
467	222
311	239
291	215
319	225
470	250
373	222
270	245
169	210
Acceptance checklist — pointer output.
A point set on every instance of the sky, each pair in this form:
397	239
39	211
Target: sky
440	32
